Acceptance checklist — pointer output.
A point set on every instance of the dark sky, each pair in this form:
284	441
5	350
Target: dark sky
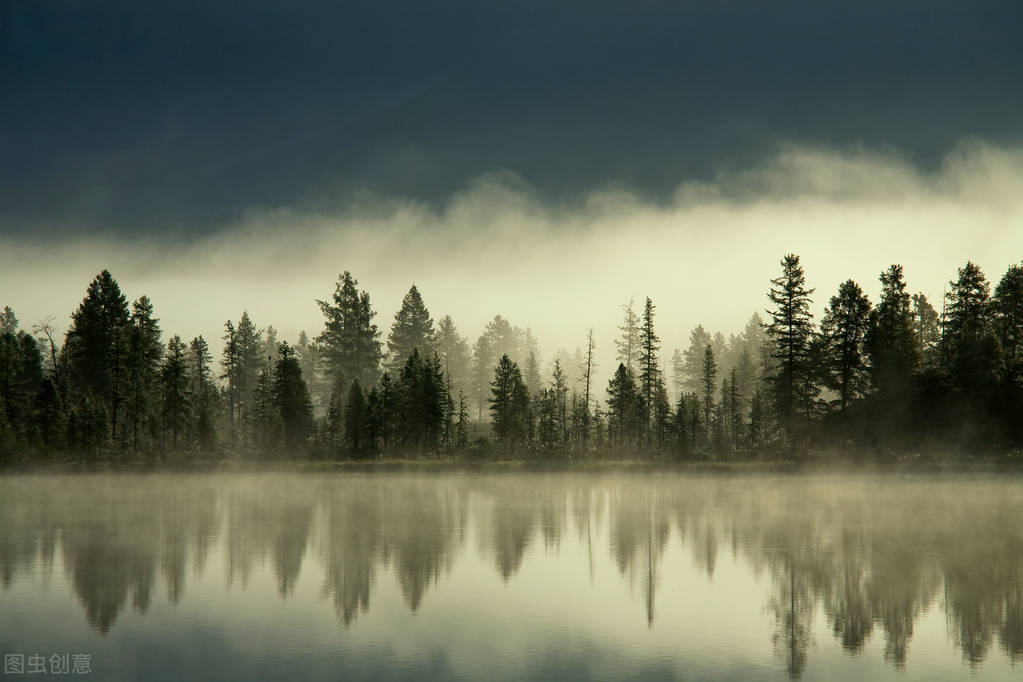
131	117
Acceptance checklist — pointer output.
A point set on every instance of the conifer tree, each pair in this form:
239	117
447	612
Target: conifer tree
891	340
710	371
174	391
532	374
926	328
1007	309
291	398
971	348
623	408
649	373
483	360
629	343
462	425
203	392
509	404
355	419
145	351
843	331
454	353
412	329
96	348
350	341
699	339
791	333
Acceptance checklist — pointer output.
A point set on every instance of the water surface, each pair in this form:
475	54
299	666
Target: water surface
514	576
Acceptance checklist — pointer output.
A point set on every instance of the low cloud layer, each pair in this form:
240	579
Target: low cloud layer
705	257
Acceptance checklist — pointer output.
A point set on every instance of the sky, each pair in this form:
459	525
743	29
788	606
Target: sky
542	160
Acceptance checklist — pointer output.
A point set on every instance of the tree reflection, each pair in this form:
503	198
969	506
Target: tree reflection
870	559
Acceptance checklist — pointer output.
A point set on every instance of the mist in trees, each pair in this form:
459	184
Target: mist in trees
871	380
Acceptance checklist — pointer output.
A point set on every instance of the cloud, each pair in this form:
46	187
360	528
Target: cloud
705	256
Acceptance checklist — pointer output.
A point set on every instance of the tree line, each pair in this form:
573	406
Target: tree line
879	379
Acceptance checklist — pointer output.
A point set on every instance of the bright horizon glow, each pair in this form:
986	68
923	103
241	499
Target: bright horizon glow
705	258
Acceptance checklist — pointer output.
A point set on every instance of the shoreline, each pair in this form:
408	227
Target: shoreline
578	466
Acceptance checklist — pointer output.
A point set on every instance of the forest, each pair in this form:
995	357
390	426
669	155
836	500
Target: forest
877	381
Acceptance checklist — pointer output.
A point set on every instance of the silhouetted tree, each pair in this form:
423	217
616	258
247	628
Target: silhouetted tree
509	404
791	333
891	340
843	332
350	341
174	393
649	372
96	348
291	398
412	329
629	343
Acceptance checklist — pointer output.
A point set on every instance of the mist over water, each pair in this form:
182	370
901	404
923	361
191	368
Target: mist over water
487	576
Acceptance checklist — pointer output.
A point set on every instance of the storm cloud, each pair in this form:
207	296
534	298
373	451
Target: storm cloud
173	120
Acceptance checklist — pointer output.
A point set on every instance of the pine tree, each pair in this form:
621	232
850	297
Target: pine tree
230	362
891	340
355	419
649	373
699	339
96	348
145	351
264	416
203	392
588	369
454	353
251	361
174	391
623	402
483	361
558	395
291	398
509	404
791	333
412	329
350	341
462	425
678	372
532	374
926	328
970	345
1007	308
843	331
710	370
629	343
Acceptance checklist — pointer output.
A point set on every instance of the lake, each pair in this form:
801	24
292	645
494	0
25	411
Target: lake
475	576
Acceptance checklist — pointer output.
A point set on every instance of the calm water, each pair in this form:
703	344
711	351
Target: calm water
508	576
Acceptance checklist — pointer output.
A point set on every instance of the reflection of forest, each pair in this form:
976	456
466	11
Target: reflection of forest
867	555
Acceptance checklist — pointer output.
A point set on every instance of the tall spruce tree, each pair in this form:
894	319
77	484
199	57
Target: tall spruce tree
649	372
204	392
412	329
96	348
791	332
454	353
699	339
1007	307
509	404
174	392
843	332
145	351
970	346
291	397
628	345
891	340
349	340
623	408
708	376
